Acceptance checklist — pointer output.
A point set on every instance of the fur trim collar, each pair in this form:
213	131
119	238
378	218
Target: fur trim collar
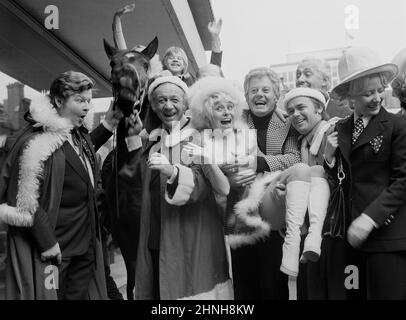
55	132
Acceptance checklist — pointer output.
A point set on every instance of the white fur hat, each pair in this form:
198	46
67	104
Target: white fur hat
167	79
304	92
207	86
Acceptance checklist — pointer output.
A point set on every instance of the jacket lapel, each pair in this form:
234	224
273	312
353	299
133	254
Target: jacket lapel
373	129
93	151
74	161
345	129
276	134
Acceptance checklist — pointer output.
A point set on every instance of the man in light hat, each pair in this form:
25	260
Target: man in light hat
372	147
181	251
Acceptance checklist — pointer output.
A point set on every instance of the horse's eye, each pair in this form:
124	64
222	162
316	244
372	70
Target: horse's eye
146	66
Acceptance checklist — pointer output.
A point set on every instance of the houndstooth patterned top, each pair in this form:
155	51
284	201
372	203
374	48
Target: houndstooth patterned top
282	146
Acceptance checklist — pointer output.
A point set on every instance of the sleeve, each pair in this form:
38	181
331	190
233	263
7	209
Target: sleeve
216	58
393	196
218	180
42	231
189	186
262	165
10	212
118	35
290	154
99	136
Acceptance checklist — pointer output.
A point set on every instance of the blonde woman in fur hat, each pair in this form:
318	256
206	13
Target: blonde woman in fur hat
216	103
216	106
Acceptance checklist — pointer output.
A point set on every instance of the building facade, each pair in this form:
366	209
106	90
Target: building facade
287	72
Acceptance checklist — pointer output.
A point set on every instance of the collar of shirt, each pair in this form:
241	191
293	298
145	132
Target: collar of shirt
309	137
365	120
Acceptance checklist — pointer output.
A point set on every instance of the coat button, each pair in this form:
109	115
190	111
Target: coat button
392	217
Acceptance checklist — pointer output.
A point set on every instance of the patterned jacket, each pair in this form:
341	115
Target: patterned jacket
282	148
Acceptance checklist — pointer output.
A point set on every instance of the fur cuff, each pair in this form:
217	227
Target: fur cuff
184	189
39	149
222	291
11	216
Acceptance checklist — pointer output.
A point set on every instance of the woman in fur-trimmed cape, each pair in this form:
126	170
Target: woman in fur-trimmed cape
31	185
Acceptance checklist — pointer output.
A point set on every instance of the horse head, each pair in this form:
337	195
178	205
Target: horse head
129	74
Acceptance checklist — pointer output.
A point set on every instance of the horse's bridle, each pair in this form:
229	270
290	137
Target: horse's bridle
140	93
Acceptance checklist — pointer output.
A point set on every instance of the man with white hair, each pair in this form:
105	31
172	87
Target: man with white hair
316	73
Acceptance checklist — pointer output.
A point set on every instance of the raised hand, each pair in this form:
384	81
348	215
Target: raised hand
214	27
128	8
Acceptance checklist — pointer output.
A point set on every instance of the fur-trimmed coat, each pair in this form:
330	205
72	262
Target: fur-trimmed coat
192	255
31	185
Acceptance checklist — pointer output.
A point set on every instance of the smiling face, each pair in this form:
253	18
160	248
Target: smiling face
368	99
260	96
175	64
168	104
309	76
222	114
305	113
75	107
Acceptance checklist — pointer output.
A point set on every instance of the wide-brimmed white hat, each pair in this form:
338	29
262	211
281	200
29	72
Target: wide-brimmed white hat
358	62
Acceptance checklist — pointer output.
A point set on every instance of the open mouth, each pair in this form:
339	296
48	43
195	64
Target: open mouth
169	115
225	122
299	121
260	103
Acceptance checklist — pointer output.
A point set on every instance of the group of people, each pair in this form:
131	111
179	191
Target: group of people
234	197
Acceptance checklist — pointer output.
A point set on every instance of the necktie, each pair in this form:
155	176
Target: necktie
358	128
84	149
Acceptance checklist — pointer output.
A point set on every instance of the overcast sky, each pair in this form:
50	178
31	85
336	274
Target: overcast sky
261	32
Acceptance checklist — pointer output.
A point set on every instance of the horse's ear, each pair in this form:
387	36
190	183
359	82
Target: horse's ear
110	50
151	49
